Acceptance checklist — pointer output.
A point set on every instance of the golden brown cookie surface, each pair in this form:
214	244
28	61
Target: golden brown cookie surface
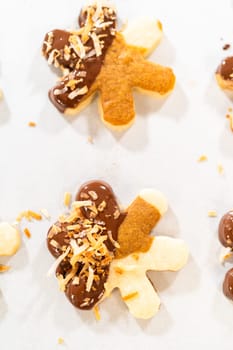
96	58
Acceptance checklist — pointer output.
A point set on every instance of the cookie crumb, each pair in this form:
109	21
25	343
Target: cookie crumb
230	117
45	213
67	199
4	268
60	341
32	124
220	169
226	46
97	313
202	158
212	213
27	232
90	140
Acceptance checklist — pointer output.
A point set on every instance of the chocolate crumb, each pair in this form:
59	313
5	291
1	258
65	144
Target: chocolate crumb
226	46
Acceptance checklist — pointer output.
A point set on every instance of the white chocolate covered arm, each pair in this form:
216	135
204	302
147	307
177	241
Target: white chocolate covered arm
145	33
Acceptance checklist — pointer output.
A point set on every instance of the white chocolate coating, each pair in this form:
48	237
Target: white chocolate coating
129	274
156	199
9	239
145	33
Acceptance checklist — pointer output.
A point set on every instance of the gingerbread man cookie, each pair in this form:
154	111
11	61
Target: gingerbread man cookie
99	248
97	58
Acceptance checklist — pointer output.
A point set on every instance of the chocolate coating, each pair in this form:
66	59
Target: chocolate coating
109	214
91	65
228	284
225	69
225	230
110	218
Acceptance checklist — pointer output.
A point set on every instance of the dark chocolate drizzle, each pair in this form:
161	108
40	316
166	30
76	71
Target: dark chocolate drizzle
110	217
225	69
57	43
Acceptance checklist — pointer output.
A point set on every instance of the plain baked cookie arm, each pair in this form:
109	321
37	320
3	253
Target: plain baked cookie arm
154	78
116	104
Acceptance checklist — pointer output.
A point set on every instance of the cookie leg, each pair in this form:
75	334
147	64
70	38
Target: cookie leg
116	105
140	297
153	78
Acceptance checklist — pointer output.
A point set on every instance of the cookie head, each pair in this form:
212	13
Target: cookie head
225	230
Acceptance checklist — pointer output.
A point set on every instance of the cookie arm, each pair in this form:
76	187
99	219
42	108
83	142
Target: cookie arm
116	105
154	78
165	254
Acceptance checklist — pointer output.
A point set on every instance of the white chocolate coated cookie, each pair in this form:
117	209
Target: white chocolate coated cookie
9	239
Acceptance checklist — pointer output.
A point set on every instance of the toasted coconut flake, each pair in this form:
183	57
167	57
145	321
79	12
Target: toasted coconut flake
54	54
32	124
202	158
57	92
57	262
93	195
74	227
230	117
27	232
34	215
90	279
67	199
77	46
220	169
116	214
115	243
91	53
97	313
4	268
212	213
102	206
96	43
45	213
78	92
119	270
60	341
54	243
130	296
104	24
75	281
226	253
135	256
80	204
82	74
